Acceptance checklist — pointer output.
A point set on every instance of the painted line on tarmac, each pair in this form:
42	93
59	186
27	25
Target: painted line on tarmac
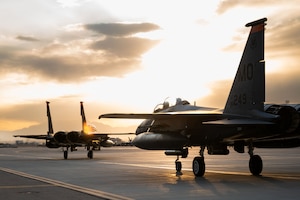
97	193
266	175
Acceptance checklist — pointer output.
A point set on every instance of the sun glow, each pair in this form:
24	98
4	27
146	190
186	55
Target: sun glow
12	125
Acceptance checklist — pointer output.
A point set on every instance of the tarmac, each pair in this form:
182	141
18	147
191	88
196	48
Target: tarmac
132	173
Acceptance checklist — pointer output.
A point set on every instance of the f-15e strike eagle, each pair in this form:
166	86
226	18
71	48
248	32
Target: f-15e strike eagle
73	139
244	122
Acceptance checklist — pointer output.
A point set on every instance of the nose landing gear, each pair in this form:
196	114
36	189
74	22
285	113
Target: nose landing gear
178	165
183	153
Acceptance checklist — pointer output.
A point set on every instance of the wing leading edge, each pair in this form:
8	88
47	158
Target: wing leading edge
166	115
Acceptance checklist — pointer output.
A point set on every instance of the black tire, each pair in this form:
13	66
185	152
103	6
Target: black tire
199	166
178	166
255	165
65	155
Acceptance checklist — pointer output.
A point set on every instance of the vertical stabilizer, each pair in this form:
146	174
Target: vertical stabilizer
84	125
248	90
50	127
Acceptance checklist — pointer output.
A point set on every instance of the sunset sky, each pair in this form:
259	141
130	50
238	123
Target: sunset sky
128	56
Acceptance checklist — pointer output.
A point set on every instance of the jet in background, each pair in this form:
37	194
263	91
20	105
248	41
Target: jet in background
244	122
73	139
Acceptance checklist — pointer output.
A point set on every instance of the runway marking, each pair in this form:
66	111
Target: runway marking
279	176
97	193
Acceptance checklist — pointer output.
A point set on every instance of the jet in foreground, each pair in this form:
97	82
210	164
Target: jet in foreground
73	139
244	122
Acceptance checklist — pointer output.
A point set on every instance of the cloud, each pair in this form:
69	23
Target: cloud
226	5
124	47
81	58
72	68
280	86
285	36
218	94
282	36
27	38
119	29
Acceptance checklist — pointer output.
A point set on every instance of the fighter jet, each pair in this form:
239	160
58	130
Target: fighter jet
87	137
244	122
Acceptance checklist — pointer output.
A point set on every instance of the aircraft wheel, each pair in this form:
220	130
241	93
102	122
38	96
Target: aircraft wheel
65	154
90	154
178	166
255	165
198	166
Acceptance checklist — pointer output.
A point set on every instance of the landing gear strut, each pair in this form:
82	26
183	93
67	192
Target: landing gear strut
90	154
183	153
66	154
199	164
178	165
255	162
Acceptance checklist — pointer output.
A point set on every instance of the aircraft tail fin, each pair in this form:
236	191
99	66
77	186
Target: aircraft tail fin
84	125
248	89
50	127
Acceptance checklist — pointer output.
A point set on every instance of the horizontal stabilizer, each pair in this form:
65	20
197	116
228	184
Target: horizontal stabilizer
41	137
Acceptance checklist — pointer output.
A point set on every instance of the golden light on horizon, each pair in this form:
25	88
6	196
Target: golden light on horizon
12	125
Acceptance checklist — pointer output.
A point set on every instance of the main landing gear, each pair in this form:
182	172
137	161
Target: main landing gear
67	150
255	162
199	164
90	153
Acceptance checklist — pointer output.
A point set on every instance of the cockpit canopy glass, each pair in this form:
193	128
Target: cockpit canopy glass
169	102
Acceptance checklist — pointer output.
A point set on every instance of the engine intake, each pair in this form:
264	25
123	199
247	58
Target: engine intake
289	117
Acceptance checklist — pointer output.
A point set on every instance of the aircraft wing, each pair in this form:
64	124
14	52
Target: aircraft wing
238	122
208	118
42	137
166	115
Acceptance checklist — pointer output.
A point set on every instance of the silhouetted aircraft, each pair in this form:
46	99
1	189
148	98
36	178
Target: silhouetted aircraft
70	140
244	122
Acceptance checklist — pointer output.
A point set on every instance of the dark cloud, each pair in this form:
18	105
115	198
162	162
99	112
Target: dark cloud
27	38
80	59
67	68
119	29
124	47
